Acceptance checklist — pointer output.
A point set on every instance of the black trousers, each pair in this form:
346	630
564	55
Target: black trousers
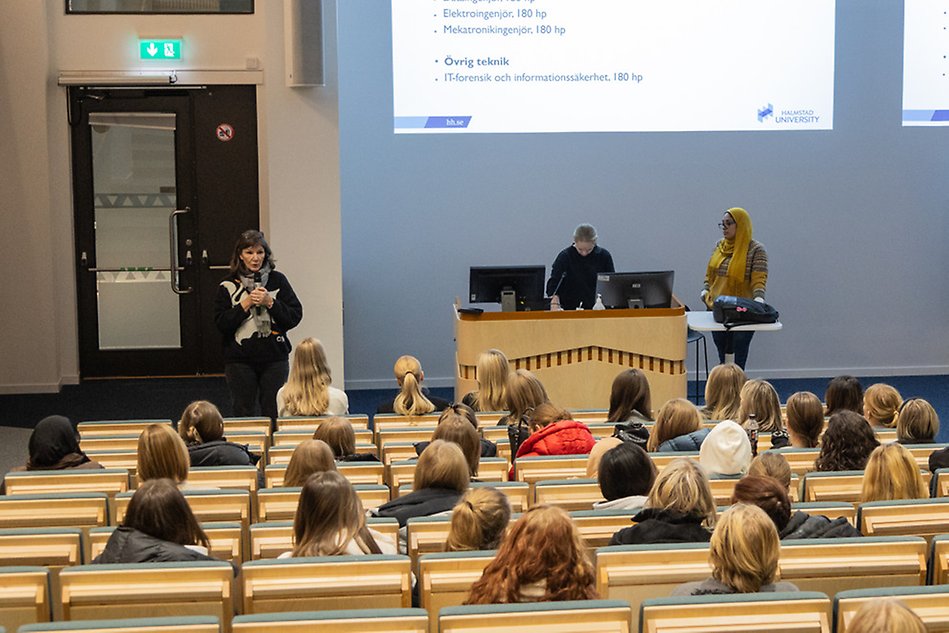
256	384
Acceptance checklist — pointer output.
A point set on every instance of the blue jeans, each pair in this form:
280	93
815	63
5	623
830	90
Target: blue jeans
733	342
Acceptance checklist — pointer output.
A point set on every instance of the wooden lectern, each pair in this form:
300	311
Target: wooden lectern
577	354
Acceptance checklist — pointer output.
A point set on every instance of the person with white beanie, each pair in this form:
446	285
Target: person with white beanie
726	450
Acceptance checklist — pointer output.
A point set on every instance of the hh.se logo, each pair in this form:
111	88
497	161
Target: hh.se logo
765	112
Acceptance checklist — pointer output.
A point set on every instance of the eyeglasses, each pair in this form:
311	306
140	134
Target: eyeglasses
725	225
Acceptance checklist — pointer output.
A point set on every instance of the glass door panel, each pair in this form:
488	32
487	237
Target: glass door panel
134	194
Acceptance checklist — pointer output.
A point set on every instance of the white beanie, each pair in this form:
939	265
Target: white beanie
726	450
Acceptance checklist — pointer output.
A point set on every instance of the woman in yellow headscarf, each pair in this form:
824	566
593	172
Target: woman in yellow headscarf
738	267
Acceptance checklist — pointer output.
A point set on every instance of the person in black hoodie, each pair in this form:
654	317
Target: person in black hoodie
679	509
158	527
254	308
202	429
54	445
441	478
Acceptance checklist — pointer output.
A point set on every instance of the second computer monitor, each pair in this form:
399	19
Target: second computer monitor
636	290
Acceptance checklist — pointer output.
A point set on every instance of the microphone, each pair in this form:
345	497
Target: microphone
559	283
257	284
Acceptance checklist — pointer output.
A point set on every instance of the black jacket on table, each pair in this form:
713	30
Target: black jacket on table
128	545
663	526
578	275
242	343
419	503
803	525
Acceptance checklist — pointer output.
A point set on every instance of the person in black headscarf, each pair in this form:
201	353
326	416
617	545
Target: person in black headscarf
54	445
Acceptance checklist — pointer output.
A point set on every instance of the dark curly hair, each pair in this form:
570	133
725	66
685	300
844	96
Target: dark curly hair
847	443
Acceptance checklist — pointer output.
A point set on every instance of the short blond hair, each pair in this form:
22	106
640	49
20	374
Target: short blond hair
744	549
916	422
880	404
892	473
442	465
887	615
676	417
162	454
683	486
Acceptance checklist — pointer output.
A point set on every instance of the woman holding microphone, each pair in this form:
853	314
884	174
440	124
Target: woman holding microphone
254	308
738	267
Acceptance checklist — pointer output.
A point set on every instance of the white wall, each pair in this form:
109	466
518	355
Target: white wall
299	169
855	220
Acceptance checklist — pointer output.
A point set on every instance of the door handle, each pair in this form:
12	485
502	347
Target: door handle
173	251
206	259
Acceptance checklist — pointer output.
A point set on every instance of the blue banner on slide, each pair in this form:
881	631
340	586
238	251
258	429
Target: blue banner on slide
437	122
927	116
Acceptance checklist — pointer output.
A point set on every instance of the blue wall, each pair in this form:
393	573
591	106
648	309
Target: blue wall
854	220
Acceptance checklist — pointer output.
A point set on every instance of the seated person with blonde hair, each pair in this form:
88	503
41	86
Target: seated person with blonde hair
679	508
743	553
413	398
479	520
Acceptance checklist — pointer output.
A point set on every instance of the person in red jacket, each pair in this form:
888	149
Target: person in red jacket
554	432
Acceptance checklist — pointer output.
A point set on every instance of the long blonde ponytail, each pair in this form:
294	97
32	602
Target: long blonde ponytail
411	400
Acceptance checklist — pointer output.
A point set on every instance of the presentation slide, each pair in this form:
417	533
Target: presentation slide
508	66
925	62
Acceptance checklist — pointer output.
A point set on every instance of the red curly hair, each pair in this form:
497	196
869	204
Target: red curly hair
543	545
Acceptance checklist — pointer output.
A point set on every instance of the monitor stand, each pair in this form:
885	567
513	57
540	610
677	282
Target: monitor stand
635	303
508	301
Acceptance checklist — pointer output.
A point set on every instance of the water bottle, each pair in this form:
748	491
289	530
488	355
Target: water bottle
599	303
752	430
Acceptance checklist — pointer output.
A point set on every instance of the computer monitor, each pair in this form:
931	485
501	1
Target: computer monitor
514	287
636	290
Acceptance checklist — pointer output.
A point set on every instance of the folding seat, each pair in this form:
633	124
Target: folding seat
30	482
569	494
348	621
801	612
193	624
372	581
638	572
24	596
603	616
444	579
906	517
837	564
148	590
930	603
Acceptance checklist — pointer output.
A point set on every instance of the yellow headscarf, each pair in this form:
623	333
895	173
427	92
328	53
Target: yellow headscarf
737	249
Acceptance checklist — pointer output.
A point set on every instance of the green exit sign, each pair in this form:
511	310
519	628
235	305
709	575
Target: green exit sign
159	49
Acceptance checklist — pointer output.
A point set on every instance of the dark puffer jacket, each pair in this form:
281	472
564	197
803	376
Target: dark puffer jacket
663	526
221	453
803	525
128	545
